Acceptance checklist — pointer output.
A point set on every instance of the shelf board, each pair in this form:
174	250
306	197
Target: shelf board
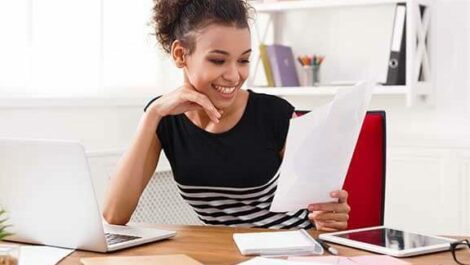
303	4
325	90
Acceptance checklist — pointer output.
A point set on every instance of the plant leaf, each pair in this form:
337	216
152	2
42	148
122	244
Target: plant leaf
4	234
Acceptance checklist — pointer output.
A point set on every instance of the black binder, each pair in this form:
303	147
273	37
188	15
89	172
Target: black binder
396	74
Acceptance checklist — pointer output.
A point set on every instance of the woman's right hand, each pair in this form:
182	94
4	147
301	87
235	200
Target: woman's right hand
185	98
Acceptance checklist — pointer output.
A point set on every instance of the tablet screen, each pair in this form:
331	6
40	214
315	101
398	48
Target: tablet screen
394	239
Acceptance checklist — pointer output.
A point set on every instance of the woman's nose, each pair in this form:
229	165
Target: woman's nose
232	74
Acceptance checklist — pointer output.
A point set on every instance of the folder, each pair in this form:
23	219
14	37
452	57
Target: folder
281	59
267	67
396	74
141	260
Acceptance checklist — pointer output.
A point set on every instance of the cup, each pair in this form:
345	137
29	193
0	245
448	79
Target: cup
307	77
9	255
315	75
310	75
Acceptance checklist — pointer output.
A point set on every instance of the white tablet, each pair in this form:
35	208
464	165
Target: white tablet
393	242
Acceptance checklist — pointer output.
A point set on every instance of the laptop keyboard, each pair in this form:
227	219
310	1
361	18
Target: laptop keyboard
112	239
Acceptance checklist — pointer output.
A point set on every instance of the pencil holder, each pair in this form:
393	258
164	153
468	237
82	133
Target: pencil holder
310	75
307	76
315	75
9	255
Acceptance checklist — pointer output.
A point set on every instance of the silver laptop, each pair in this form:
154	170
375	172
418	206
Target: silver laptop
46	188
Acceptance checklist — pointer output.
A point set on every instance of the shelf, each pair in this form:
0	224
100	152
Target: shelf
325	90
303	4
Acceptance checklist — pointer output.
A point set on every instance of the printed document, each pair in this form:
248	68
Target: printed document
319	148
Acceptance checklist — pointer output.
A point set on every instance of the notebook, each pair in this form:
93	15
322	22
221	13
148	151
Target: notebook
297	242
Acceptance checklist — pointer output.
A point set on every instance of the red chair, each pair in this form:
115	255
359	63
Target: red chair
365	180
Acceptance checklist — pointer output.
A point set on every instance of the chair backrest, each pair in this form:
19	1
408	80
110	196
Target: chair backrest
365	180
161	203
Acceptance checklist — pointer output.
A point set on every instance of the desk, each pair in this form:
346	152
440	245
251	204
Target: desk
215	245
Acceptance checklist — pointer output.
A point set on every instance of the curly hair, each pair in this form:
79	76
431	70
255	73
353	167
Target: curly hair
180	19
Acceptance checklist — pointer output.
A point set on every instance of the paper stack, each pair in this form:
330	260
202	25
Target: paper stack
283	243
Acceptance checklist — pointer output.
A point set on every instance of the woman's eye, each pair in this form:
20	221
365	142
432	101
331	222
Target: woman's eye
218	62
246	61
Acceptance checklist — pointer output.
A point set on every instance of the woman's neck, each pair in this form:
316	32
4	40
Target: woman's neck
228	119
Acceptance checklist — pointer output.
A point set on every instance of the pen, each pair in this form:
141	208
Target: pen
327	247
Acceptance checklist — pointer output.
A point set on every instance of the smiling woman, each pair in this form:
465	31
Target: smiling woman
224	144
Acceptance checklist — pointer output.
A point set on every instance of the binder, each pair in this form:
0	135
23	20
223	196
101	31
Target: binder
281	59
267	67
396	74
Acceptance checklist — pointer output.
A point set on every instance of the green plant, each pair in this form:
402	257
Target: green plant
3	225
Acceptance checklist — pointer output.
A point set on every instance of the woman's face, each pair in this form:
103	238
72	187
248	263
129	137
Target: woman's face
219	64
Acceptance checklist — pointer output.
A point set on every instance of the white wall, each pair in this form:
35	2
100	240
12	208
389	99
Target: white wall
429	147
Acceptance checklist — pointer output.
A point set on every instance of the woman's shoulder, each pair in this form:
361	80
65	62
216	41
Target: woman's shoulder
270	103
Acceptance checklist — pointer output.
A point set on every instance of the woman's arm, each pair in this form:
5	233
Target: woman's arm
133	171
138	164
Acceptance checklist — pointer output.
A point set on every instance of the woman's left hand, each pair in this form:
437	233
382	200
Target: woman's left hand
331	216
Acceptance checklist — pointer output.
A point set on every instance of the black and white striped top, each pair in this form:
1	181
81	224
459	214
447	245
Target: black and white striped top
244	207
230	178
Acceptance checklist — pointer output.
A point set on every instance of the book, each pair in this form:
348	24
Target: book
281	60
396	74
141	260
267	67
296	242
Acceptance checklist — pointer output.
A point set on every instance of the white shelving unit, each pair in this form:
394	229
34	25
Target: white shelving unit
323	90
419	84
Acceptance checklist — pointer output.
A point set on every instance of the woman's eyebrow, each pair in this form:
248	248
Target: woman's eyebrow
227	53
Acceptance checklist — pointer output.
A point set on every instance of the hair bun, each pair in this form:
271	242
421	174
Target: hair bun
174	19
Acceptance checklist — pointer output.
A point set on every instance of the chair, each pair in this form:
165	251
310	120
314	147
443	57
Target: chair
365	180
161	203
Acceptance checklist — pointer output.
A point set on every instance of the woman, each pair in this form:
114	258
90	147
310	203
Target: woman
224	144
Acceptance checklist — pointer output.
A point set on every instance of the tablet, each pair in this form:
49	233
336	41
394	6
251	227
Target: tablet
393	242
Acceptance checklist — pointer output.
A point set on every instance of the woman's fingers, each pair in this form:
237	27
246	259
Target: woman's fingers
328	216
203	101
330	207
330	226
341	195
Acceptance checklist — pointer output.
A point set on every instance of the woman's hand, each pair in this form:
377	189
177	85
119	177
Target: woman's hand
331	216
185	98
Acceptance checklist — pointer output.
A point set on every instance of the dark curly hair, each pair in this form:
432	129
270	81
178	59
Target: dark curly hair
179	19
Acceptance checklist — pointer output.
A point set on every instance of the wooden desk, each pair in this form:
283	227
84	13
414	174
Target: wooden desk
215	245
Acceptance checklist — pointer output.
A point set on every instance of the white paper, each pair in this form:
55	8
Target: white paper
42	255
319	148
267	261
277	243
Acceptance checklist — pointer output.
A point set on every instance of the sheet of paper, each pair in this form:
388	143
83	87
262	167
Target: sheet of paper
330	260
357	260
268	261
42	255
319	148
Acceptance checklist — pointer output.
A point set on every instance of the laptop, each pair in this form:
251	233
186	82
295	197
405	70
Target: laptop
47	191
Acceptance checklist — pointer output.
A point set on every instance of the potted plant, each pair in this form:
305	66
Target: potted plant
8	254
3	225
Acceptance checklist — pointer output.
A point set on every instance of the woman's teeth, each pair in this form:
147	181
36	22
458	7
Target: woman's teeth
225	90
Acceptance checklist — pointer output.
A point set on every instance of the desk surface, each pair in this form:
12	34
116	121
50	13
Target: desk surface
215	245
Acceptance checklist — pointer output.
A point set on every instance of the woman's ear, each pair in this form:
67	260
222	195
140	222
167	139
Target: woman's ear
178	53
